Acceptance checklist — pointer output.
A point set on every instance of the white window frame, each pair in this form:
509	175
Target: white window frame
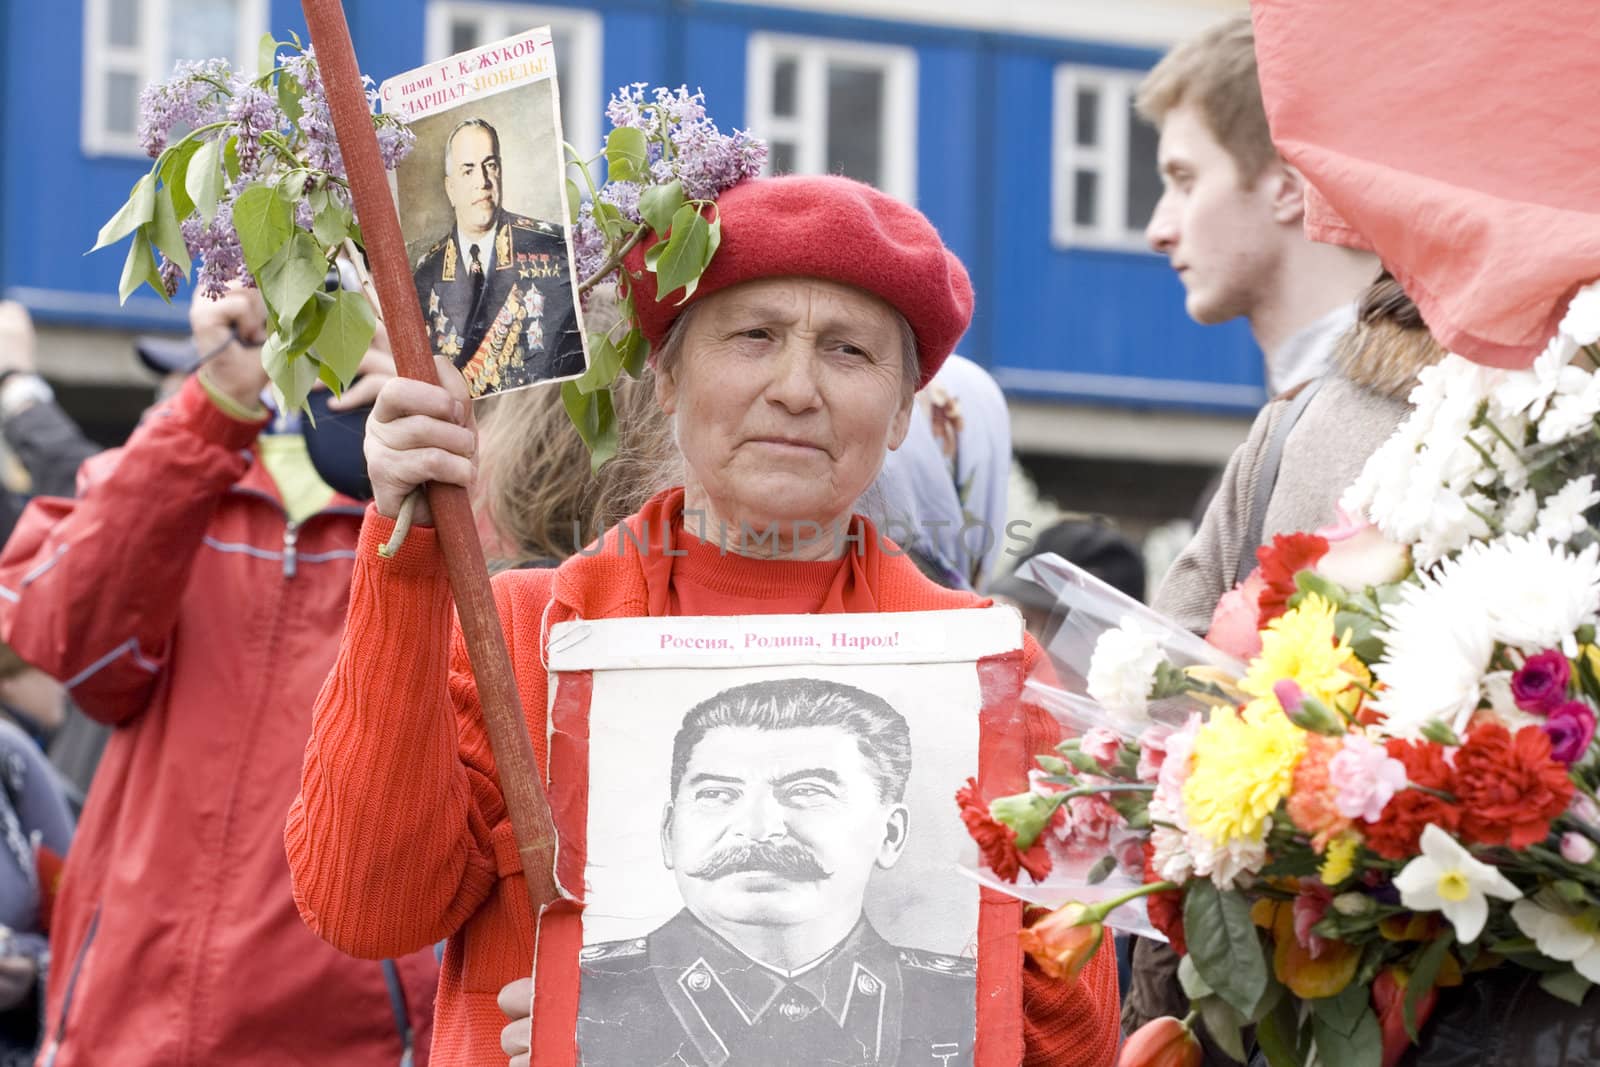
807	130
497	21
1116	87
148	61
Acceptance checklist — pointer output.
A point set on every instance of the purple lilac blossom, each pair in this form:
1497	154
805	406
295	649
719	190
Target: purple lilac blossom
624	196
190	98
252	113
170	276
216	246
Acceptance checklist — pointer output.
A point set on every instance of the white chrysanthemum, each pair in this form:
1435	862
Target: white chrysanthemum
1562	517
1437	645
1521	512
1572	408
1582	320
1122	671
1534	595
1529	391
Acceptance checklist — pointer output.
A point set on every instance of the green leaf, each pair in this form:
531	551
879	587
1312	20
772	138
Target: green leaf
1568	985
1345	1029
1280	1037
140	267
346	335
604	363
165	233
140	209
1311	582
627	155
595	419
266	55
685	257
635	353
574	202
331	224
1224	1025
263	220
1194	987
230	158
659	203
1223	942
289	93
308	324
292	376
204	179
1423	977
610	219
290	277
175	173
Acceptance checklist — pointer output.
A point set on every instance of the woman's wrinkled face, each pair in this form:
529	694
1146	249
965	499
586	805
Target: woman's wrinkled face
787	396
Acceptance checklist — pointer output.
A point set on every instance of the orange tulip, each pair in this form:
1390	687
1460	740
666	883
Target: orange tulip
1063	941
1388	1000
1307	978
1163	1042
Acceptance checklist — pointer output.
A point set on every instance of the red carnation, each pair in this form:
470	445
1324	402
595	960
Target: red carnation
997	841
1509	787
1396	833
1287	556
1165	910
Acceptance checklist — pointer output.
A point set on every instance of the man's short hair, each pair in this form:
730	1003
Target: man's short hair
494	137
793	703
1216	72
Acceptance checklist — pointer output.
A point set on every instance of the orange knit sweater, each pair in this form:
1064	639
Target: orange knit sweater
399	837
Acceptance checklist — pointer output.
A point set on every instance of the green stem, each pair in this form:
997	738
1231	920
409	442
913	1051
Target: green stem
613	261
1106	907
1093	789
191	135
1440	793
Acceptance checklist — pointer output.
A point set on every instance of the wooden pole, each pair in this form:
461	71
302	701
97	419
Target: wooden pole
452	512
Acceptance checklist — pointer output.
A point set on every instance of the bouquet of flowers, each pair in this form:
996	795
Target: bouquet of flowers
1384	778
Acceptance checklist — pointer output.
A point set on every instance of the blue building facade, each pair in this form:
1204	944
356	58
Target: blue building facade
1020	147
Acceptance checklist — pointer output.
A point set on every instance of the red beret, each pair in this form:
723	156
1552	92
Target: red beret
833	228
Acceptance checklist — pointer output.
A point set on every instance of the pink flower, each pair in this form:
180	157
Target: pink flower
1152	751
1100	745
1540	685
1571	728
1359	555
1309	908
1575	848
1090	822
1585	810
1365	777
1236	622
1175	768
1290	695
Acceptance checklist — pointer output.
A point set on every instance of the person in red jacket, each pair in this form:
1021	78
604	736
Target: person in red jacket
788	376
192	597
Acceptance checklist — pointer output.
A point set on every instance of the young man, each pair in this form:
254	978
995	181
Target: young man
1229	220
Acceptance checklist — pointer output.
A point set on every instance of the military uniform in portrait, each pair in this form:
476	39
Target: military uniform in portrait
683	996
504	316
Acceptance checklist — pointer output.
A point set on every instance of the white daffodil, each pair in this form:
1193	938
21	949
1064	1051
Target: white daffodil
1573	939
1447	878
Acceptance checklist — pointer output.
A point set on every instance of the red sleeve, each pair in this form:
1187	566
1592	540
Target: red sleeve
90	588
388	845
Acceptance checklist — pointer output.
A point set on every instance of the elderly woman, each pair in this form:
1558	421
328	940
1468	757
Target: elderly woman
788	377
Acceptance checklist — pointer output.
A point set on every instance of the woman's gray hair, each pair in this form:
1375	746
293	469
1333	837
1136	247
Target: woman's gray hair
671	350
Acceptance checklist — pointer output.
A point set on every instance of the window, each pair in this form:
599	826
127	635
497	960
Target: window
1104	178
130	43
456	27
836	107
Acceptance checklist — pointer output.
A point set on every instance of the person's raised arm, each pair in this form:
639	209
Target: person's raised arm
89	588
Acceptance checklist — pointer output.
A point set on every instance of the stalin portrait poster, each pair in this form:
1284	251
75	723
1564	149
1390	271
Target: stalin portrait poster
483	206
758	816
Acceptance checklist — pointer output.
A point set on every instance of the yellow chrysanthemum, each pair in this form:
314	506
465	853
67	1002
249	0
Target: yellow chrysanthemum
1243	766
1339	862
1301	646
